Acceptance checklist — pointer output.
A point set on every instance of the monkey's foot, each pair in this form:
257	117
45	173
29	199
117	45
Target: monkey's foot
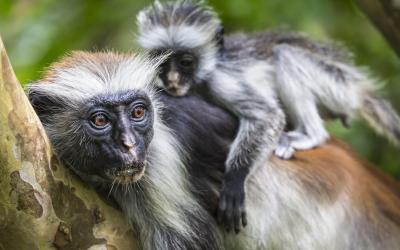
301	141
284	150
231	212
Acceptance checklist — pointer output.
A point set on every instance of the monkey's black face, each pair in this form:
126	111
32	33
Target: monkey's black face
104	139
178	72
119	129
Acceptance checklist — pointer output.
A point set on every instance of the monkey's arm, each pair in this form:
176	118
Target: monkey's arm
261	122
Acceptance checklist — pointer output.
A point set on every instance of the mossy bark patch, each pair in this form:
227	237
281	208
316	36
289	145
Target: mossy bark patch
24	196
77	218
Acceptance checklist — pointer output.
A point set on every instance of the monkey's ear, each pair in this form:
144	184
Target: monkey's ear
219	37
43	104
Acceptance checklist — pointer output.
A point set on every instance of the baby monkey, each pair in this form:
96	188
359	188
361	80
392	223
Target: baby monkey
256	77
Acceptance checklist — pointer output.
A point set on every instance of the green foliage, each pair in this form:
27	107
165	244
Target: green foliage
37	32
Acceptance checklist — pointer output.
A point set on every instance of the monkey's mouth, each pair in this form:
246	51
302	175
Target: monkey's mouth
128	175
177	91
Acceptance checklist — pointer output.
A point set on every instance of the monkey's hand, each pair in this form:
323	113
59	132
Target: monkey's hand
284	149
231	211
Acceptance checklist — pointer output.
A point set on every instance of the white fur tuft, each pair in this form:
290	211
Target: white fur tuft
180	23
91	75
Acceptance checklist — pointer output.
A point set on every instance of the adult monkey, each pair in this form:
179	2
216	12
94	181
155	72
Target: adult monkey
324	199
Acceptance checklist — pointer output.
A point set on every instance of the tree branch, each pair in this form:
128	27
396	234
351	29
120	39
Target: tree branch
385	14
43	205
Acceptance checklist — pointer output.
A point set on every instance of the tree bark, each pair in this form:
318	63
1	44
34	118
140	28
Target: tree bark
42	204
385	14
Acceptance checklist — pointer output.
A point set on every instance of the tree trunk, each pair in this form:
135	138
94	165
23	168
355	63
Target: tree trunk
43	205
385	14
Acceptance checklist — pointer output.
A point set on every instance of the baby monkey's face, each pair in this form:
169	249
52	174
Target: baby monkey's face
178	72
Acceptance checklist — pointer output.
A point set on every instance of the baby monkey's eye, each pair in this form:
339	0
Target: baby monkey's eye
138	113
186	61
162	68
100	120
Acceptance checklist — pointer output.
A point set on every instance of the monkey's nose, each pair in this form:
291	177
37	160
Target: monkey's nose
173	79
127	144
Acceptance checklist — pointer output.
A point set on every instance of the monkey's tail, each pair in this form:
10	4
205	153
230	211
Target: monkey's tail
382	117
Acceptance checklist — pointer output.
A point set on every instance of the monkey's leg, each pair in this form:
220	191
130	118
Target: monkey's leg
261	122
295	75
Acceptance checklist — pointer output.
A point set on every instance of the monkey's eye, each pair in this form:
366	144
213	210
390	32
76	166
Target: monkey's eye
100	120
186	62
138	113
161	68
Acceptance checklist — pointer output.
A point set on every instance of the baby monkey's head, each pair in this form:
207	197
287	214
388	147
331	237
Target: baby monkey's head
98	111
191	32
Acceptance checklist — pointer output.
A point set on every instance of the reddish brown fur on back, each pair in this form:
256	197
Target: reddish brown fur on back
331	169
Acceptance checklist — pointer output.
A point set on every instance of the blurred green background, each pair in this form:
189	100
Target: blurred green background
36	33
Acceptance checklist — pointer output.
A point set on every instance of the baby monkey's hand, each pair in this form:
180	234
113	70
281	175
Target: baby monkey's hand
231	212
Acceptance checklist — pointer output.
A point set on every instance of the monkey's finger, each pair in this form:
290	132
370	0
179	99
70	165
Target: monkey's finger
243	211
237	216
244	218
280	151
288	153
228	219
284	151
221	208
